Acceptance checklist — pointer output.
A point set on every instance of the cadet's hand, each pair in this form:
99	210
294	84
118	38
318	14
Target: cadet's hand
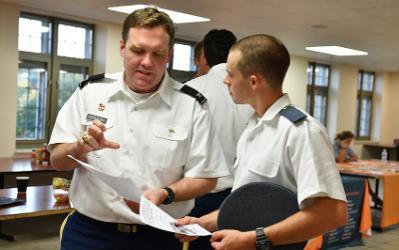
233	240
156	196
185	221
93	139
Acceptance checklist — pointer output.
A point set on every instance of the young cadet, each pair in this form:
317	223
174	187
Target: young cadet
281	144
145	125
229	118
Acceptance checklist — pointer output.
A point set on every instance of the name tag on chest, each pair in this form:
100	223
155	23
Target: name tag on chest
91	117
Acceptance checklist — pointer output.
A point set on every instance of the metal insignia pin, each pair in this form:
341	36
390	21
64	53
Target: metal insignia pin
101	107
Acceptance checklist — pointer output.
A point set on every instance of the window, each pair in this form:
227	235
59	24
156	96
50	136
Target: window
365	89
318	80
47	79
69	79
182	66
31	101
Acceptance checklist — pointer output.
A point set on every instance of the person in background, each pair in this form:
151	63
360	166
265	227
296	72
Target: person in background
342	150
343	153
282	145
144	125
230	119
199	60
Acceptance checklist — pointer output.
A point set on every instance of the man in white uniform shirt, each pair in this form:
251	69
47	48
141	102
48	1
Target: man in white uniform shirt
230	119
144	125
281	144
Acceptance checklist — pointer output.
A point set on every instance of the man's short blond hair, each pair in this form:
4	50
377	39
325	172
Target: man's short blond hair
149	18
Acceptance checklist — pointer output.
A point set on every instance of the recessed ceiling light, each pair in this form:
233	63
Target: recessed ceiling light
177	17
337	51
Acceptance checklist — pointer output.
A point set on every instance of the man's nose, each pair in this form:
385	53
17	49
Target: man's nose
147	60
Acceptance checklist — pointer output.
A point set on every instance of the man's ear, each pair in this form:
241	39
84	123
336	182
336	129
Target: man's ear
122	48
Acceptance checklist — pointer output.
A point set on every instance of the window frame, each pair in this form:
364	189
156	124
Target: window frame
54	63
361	95
174	73
313	90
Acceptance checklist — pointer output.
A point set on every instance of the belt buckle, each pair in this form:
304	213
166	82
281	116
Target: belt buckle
126	228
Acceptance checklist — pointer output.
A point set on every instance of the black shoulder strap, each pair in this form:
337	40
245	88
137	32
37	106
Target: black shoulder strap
193	93
293	114
92	78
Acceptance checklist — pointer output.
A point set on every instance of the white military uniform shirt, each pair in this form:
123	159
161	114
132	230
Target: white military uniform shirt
298	156
229	118
164	138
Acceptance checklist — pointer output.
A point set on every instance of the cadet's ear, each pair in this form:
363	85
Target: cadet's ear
254	80
257	81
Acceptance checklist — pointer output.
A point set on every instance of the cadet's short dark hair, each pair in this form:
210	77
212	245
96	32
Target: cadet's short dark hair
217	44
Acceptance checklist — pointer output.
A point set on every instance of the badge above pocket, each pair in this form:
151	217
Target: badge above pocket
170	132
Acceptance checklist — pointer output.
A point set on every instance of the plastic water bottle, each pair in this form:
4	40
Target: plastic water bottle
384	155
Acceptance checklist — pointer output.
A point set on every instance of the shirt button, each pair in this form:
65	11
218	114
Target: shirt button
131	130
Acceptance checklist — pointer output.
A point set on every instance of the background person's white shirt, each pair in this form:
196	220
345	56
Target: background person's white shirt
229	118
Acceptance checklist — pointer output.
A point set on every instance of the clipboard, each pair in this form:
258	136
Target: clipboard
258	204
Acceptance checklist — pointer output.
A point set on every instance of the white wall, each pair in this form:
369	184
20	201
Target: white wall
106	51
295	81
390	108
346	97
9	15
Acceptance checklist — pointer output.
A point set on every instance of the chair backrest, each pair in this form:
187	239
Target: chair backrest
258	204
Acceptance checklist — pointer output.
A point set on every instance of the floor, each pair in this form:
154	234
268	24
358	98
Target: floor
45	236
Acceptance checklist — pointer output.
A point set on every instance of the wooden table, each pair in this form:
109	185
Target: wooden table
39	202
388	173
39	174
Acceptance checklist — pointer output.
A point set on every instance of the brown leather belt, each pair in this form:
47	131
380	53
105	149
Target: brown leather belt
120	227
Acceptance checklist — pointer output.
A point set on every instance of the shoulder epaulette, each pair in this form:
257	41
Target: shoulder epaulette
193	93
293	114
93	78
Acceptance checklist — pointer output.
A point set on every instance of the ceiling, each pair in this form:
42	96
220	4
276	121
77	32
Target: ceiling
367	25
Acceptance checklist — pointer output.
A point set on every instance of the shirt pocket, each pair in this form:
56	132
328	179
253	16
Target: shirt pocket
170	132
169	146
264	166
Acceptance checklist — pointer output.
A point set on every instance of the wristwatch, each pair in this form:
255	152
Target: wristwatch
171	196
262	242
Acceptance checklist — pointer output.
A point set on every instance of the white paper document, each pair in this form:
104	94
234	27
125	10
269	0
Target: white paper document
123	185
150	214
156	217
